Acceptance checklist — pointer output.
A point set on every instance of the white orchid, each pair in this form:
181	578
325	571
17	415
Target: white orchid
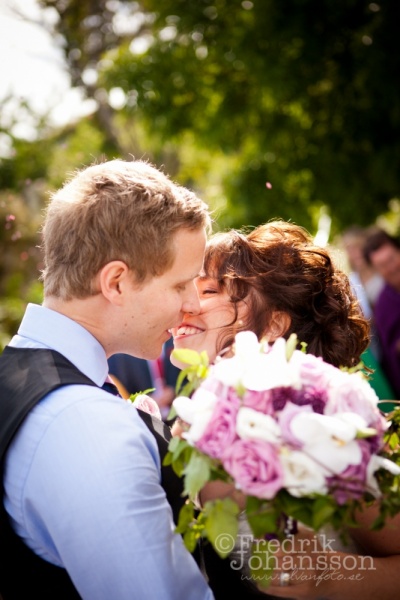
330	440
196	411
251	424
253	369
334	456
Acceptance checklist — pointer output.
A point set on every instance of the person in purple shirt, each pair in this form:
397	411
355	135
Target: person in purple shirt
382	251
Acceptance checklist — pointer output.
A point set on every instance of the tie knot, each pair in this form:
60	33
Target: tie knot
110	387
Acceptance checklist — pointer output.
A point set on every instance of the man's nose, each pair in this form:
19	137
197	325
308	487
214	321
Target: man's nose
191	304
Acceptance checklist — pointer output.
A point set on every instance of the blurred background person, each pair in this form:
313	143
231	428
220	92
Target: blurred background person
367	284
382	251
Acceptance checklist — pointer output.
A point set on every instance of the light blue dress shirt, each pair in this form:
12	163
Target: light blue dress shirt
82	482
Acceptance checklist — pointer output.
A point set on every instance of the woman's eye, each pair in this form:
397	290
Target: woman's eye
209	291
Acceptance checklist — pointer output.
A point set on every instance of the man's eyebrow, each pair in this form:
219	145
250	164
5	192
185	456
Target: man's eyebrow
189	279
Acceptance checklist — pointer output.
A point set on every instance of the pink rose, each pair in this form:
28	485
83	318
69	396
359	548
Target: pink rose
220	431
148	405
212	384
255	467
313	370
352	393
261	401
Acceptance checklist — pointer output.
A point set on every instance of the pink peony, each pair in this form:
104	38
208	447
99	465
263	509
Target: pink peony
255	467
220	432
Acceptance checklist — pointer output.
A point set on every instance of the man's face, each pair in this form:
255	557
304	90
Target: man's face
159	304
386	261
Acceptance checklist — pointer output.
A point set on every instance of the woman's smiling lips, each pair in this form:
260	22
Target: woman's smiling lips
185	330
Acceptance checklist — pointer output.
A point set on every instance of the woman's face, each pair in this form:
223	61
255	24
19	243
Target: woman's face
201	331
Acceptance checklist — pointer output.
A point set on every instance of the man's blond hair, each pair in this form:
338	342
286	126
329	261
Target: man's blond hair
116	210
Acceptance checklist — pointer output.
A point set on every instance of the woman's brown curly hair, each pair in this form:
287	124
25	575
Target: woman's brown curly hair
277	267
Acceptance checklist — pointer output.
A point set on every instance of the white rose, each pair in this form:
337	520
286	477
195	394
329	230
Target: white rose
302	475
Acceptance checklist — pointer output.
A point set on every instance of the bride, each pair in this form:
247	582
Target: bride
274	281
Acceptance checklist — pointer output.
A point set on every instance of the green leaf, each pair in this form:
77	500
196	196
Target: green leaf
291	344
202	371
186	517
266	521
189	378
179	381
174	444
190	527
221	525
322	511
394	441
204	358
303	347
197	473
172	414
178	455
254	504
186	356
366	432
303	514
133	397
190	538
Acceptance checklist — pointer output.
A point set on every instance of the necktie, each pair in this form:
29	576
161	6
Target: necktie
110	387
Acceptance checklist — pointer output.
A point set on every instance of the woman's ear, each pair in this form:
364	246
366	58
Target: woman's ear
278	326
112	278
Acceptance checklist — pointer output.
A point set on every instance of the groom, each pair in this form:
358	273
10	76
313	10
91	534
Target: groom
84	513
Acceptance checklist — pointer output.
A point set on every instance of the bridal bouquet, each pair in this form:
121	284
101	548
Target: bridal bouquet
301	440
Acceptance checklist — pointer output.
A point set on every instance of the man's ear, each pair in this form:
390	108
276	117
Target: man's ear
112	278
279	324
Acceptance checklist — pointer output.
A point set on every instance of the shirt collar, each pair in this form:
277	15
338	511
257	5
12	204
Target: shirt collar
42	327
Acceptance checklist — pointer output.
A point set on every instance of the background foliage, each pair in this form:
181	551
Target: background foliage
227	97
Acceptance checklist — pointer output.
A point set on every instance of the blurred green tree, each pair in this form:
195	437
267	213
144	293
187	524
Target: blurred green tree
271	108
304	93
20	260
